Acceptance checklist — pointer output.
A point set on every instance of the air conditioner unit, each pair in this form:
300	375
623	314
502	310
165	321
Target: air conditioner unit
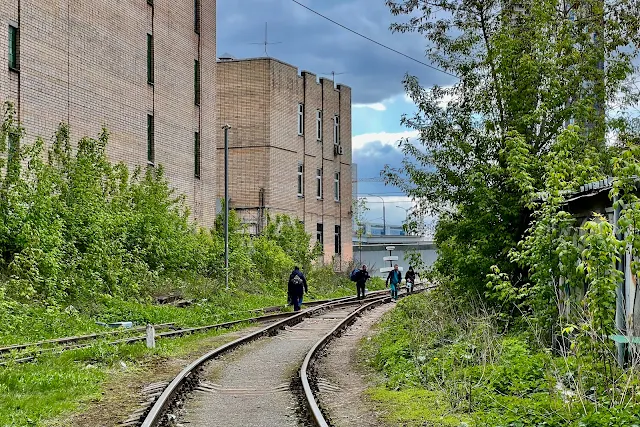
337	150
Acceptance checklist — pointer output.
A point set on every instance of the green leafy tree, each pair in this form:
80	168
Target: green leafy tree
523	71
290	235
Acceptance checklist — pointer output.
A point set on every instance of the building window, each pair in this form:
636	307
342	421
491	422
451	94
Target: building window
300	180
151	149
150	61
320	233
196	154
14	45
319	183
196	81
319	125
338	240
196	16
300	119
336	186
336	130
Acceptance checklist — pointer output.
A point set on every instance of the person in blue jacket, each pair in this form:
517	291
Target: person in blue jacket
394	279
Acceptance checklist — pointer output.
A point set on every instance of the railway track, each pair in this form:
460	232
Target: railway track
266	364
28	352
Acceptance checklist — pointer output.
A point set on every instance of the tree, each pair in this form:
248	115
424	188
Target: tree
359	209
523	72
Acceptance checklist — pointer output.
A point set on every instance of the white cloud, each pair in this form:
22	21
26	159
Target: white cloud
386	138
378	106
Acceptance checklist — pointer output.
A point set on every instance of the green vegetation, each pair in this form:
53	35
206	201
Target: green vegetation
447	365
83	240
537	111
34	394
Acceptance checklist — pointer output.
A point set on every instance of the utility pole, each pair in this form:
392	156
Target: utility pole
226	128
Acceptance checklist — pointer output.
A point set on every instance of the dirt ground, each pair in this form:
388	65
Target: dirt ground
124	393
342	380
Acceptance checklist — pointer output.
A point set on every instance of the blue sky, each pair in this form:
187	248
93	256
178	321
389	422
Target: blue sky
375	74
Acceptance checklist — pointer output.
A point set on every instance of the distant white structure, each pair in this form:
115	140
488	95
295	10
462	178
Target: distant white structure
391	259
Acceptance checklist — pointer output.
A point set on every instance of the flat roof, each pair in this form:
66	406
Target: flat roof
268	58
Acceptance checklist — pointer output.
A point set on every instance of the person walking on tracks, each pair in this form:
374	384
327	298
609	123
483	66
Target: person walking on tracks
410	279
360	276
393	280
297	287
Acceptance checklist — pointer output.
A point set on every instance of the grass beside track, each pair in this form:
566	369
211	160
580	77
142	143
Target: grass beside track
436	364
54	388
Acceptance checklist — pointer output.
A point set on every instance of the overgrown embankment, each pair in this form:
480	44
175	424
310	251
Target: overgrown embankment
83	240
448	365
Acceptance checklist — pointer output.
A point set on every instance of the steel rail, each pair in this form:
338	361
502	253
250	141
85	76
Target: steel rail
64	340
314	409
164	401
179	332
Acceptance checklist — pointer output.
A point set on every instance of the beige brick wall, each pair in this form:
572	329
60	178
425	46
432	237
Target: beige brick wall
85	63
248	116
259	99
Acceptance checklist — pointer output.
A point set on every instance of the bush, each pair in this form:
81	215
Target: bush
458	354
77	229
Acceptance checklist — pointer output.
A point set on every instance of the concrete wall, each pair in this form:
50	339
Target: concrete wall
372	255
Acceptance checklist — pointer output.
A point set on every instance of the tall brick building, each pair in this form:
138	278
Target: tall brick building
289	148
143	68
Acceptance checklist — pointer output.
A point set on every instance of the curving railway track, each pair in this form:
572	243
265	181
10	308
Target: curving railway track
28	352
259	379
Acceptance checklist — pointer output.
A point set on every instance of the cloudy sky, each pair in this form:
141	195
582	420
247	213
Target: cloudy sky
375	74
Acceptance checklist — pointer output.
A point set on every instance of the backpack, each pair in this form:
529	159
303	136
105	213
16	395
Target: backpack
354	275
296	280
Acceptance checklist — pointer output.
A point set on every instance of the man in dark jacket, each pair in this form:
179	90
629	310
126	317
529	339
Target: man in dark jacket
297	287
361	280
410	278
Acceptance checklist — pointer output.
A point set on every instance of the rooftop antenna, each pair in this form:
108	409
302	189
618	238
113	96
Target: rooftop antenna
266	42
333	75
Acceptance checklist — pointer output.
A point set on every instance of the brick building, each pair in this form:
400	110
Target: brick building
289	148
145	69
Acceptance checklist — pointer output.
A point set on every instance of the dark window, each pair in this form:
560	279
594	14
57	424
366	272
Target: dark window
300	119
14	53
319	183
320	233
338	240
196	154
151	151
319	125
150	64
196	16
196	82
300	180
